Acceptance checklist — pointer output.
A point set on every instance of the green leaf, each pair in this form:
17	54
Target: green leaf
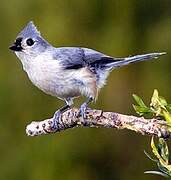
163	149
167	117
158	107
156	172
155	160
164	169
138	100
168	107
154	149
155	99
162	154
158	104
141	110
163	101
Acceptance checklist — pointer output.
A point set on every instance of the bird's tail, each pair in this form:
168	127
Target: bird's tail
125	61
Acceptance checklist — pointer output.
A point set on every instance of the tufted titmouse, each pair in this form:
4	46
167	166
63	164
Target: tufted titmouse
66	72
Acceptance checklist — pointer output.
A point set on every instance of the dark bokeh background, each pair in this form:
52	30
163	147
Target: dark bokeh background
118	28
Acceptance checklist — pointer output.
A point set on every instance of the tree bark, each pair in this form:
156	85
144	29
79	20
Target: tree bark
100	119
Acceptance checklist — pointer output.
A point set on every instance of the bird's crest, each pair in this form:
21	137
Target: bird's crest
29	30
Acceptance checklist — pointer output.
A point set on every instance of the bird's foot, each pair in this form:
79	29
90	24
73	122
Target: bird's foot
82	112
56	120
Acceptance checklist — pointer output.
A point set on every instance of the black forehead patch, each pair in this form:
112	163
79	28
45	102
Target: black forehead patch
18	40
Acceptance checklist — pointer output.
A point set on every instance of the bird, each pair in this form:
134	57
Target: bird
67	72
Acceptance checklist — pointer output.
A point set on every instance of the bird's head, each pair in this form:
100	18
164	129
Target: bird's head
29	42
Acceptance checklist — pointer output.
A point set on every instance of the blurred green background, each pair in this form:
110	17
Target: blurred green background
117	28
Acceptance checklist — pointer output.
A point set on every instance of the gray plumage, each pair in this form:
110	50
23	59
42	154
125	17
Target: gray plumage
66	72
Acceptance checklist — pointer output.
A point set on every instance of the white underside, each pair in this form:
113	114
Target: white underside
49	76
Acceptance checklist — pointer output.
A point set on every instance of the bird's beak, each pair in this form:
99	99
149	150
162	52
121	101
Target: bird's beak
16	47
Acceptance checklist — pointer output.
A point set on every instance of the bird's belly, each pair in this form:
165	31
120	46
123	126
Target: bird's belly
57	85
62	83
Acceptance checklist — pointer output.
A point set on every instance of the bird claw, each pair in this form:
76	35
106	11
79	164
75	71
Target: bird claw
82	112
56	118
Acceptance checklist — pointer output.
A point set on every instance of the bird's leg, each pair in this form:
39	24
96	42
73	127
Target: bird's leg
58	113
83	108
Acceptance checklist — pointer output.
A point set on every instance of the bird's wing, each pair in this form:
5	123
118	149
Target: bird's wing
97	59
70	57
92	56
75	58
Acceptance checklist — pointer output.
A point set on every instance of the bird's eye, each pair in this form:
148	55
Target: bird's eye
30	42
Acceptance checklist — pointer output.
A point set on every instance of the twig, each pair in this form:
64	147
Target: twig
97	119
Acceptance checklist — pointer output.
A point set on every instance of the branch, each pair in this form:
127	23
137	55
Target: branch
100	119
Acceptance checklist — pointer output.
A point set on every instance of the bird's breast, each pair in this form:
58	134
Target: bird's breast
51	78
